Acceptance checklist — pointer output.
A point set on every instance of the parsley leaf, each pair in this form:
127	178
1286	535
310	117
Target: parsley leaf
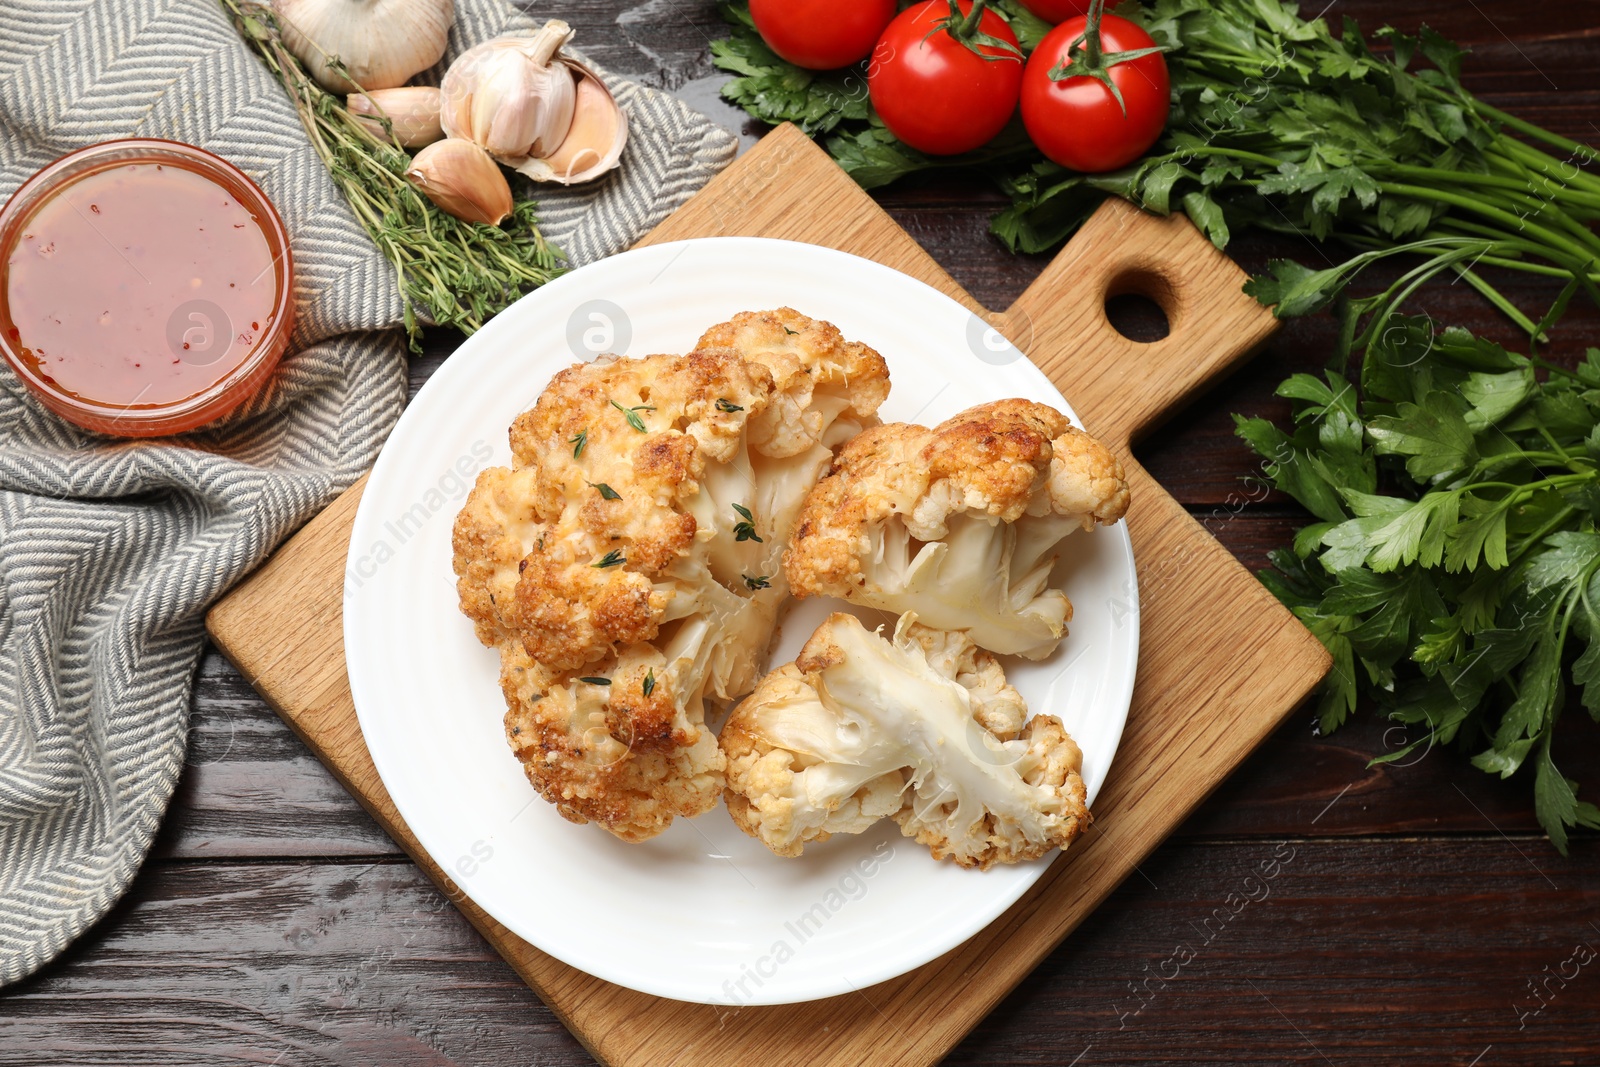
776	91
1456	556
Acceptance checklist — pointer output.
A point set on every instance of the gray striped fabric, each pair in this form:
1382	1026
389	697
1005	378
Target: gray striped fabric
110	551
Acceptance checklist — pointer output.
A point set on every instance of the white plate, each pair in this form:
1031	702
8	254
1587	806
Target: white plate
701	913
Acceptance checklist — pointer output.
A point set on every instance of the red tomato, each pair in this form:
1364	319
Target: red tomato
933	91
1077	122
1057	10
821	34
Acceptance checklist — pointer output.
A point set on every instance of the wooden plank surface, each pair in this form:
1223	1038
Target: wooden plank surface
158	989
252	794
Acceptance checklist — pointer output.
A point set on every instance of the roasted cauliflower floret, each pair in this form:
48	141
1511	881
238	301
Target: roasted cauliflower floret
922	729
613	753
627	567
960	523
816	374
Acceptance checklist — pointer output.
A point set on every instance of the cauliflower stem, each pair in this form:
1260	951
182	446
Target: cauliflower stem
921	728
959	524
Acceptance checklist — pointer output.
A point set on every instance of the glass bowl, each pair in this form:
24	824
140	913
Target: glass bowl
234	383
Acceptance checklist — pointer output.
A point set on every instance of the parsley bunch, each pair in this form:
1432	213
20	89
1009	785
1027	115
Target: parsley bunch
1454	567
1276	123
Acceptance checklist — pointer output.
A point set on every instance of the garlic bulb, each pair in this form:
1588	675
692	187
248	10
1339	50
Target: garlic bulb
412	111
512	95
462	179
380	42
547	116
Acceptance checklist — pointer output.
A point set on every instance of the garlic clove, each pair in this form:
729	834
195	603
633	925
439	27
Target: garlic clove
463	180
512	95
506	113
381	43
412	111
594	142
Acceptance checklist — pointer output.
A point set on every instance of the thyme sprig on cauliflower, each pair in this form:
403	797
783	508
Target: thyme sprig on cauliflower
922	729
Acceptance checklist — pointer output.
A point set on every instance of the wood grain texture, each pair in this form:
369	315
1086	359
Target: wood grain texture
367	965
1202	702
1372	982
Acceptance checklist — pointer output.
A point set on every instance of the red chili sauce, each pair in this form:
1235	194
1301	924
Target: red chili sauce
140	284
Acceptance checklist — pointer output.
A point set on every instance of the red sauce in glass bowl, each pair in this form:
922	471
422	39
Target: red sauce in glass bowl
146	287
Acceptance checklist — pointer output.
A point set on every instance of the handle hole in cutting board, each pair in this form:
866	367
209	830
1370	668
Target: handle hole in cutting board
1137	317
1138	305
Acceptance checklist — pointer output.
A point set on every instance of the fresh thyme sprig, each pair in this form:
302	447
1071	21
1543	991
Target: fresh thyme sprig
459	273
745	529
632	415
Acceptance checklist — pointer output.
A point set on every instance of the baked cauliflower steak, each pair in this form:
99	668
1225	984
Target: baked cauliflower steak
921	728
960	523
627	566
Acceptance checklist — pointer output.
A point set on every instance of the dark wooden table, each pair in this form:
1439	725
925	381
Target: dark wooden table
275	924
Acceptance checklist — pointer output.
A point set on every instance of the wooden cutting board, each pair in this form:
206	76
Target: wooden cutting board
1220	661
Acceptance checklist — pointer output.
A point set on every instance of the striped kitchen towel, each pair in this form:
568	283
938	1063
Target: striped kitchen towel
110	550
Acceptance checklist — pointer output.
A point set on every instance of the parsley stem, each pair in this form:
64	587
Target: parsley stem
1519	490
1516	185
1527	155
1577	593
1555	447
1572	148
1488	211
1535	539
1498	299
1554	368
1213	150
1568	266
1506	167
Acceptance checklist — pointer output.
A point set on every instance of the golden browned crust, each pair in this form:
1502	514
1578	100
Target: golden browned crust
606	534
810	361
1002	459
991	458
610	754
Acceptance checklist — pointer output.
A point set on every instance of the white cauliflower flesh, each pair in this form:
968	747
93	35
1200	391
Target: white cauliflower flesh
627	567
922	729
960	523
